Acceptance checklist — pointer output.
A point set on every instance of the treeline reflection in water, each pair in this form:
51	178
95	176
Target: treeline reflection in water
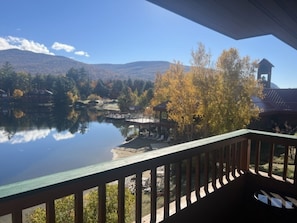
37	141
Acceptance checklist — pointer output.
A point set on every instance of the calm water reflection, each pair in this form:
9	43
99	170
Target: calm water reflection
35	142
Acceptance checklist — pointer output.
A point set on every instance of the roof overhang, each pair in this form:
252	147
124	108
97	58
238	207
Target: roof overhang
241	19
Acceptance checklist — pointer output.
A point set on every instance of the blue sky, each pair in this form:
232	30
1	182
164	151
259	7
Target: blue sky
123	31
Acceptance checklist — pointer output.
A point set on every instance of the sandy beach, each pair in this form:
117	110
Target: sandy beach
137	145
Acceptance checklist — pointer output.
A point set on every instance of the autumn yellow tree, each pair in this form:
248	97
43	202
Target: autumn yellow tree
175	87
204	79
225	91
218	95
238	86
183	102
17	93
162	90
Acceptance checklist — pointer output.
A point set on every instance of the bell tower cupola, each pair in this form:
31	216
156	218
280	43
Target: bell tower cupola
264	72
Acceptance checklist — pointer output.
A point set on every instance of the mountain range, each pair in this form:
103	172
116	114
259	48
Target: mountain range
37	63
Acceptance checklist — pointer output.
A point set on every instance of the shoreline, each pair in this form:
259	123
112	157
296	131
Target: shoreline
121	152
136	145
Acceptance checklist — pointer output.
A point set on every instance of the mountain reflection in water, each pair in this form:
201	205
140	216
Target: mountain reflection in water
40	141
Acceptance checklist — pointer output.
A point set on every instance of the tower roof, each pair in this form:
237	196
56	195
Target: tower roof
265	62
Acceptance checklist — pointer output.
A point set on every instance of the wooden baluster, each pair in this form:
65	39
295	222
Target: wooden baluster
213	169
188	180
78	207
239	157
233	159
138	197
227	167
286	161
257	156
102	203
153	195
206	171
50	211
197	176
295	164
177	186
17	216
121	200
166	190
221	165
271	160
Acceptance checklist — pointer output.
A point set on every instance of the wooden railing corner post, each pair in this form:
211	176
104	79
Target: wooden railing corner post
246	155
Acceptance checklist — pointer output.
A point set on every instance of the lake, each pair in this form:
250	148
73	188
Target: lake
36	142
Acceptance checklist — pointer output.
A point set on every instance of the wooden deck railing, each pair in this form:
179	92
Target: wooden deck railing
182	173
274	154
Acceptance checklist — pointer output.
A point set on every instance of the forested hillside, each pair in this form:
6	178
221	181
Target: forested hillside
37	63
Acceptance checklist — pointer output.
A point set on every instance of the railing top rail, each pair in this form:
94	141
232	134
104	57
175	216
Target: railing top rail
277	137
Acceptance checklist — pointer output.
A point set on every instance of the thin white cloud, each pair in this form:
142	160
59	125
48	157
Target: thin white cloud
29	136
3	136
4	44
63	136
12	42
82	53
62	46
